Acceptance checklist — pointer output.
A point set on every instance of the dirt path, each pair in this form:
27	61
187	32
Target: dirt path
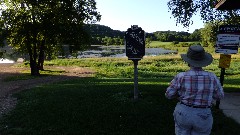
7	102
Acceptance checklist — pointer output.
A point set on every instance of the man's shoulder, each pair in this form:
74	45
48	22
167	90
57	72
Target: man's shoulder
181	74
210	73
196	72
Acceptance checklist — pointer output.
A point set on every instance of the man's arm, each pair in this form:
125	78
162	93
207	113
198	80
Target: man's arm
218	91
172	90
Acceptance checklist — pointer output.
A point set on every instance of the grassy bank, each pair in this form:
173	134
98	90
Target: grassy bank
99	106
165	66
103	104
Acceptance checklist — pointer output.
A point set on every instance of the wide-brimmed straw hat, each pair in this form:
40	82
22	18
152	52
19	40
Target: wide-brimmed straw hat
197	57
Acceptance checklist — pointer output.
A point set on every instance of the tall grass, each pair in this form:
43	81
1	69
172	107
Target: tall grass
162	66
148	67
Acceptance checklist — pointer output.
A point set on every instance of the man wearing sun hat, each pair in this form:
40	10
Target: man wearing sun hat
195	89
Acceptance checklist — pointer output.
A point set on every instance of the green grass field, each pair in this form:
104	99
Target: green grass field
104	105
99	106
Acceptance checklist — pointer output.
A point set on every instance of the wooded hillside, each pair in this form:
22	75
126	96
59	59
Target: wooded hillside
105	35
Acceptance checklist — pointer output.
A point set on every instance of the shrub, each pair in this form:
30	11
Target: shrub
175	42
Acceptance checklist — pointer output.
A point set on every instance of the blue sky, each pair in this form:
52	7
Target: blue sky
150	15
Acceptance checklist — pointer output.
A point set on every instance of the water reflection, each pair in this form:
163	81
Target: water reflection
118	51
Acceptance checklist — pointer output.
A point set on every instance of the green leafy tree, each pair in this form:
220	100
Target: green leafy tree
34	26
121	41
183	11
116	41
108	40
148	41
209	33
169	36
196	35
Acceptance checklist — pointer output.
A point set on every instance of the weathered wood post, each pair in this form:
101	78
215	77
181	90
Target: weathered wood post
135	50
136	92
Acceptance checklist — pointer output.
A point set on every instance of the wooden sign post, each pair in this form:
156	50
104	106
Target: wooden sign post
135	50
224	62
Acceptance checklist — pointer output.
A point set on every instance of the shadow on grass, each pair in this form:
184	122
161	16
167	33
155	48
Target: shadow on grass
99	106
27	75
231	81
231	89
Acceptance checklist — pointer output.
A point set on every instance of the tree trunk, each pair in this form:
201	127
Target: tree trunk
33	63
34	67
41	56
33	60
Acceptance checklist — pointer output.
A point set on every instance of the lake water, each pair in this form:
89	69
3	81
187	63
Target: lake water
3	60
110	51
118	51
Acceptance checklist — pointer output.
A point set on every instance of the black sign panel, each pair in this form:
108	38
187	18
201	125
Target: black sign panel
135	42
228	39
224	29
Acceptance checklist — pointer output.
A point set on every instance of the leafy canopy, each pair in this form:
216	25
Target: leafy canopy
183	11
50	21
36	25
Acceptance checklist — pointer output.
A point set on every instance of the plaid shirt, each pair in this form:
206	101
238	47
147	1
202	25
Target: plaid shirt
195	87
